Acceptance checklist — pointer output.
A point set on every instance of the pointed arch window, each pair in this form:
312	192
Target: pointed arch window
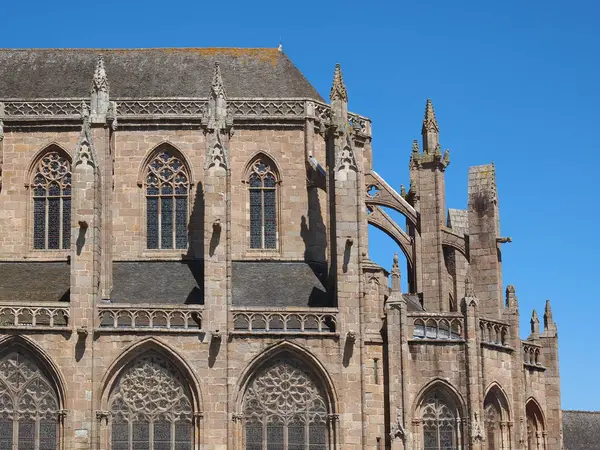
440	421
28	405
536	435
167	199
496	419
51	190
262	183
151	407
285	408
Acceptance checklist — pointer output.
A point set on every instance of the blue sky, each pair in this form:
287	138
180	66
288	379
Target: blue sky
513	82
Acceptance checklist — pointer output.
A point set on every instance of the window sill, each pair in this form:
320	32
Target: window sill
261	253
47	255
165	254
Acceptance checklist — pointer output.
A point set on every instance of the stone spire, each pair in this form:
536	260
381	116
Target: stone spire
217	87
99	90
535	324
430	130
395	274
548	321
338	88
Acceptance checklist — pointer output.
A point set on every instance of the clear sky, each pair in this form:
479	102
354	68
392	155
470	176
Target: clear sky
513	82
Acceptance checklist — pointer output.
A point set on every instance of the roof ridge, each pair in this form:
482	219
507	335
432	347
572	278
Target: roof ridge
580	411
136	48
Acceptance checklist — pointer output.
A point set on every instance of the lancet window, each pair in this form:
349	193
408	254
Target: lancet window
440	421
151	407
28	405
167	200
51	190
536	436
262	182
496	420
285	409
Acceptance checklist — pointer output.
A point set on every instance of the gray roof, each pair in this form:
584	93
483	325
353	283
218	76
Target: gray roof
458	220
263	283
166	282
413	302
581	430
152	72
33	282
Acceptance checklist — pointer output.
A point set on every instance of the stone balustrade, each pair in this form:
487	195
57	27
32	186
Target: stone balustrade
436	326
532	354
42	316
180	318
285	320
494	332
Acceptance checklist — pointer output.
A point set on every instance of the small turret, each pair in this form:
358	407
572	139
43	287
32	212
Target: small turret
339	101
512	303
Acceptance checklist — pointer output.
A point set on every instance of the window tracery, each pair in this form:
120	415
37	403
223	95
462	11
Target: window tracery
496	419
262	183
52	202
167	199
28	405
151	407
285	409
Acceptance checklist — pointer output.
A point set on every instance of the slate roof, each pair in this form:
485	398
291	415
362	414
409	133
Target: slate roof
152	72
413	303
581	430
164	282
265	283
34	282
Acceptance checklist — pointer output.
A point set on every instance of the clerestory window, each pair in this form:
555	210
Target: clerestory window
28	405
51	189
167	199
285	409
262	183
151	407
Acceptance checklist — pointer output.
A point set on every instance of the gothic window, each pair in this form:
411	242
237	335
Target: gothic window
439	419
167	191
28	405
495	419
51	190
535	427
285	409
151	408
262	183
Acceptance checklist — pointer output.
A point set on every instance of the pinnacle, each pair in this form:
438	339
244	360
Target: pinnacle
217	87
430	122
338	88
534	317
415	146
100	80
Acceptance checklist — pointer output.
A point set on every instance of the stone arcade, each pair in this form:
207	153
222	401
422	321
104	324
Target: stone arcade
184	264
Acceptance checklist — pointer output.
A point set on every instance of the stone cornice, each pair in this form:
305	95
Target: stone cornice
180	109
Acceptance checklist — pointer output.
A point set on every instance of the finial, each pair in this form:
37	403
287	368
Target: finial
430	122
415	147
217	87
280	48
395	263
438	150
100	80
338	88
402	190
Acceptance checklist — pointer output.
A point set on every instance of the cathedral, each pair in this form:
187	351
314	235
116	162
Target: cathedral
184	264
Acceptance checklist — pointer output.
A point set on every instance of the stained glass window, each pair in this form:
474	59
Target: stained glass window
52	202
151	407
167	191
285	409
439	423
28	405
263	206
